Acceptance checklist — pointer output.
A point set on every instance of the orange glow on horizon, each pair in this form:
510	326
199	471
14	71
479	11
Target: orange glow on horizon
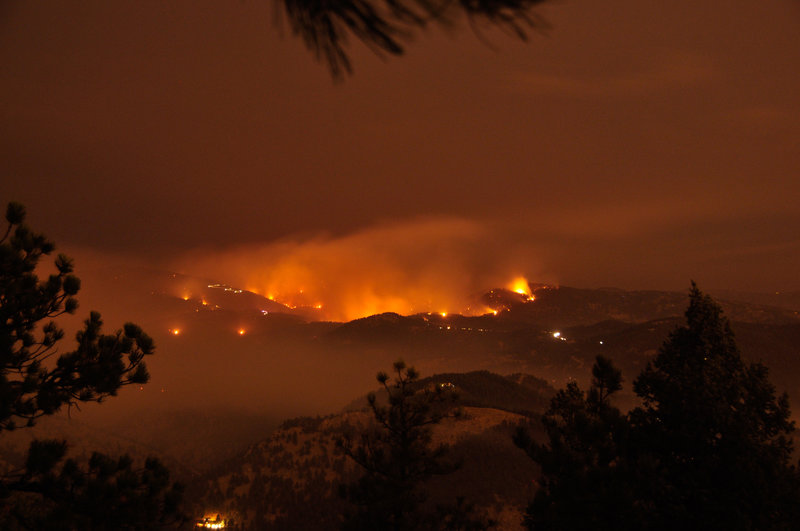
358	302
358	277
361	294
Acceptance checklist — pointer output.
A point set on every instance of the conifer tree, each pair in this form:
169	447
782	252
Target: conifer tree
710	448
395	453
36	381
397	457
583	484
721	436
385	25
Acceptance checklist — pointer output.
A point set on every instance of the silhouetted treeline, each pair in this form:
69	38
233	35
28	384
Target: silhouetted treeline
37	379
710	448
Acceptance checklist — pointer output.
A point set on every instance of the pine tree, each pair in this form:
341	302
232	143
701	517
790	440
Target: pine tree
384	25
584	482
710	448
720	434
47	490
397	457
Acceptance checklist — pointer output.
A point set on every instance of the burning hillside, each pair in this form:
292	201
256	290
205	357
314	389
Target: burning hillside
361	302
440	266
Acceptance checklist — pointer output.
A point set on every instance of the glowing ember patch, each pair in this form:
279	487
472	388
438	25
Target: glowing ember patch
210	523
297	284
175	331
242	331
556	334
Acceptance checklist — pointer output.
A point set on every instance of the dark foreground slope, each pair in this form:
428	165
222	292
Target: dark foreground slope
276	481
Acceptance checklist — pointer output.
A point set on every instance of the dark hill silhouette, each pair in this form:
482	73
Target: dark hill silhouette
788	300
519	393
566	306
299	466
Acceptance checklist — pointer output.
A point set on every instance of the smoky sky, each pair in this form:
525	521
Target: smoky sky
636	144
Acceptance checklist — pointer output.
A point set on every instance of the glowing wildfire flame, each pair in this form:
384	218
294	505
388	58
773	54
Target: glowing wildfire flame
427	265
211	523
348	299
520	285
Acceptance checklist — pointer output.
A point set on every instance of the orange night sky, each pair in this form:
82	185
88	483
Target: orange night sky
633	144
